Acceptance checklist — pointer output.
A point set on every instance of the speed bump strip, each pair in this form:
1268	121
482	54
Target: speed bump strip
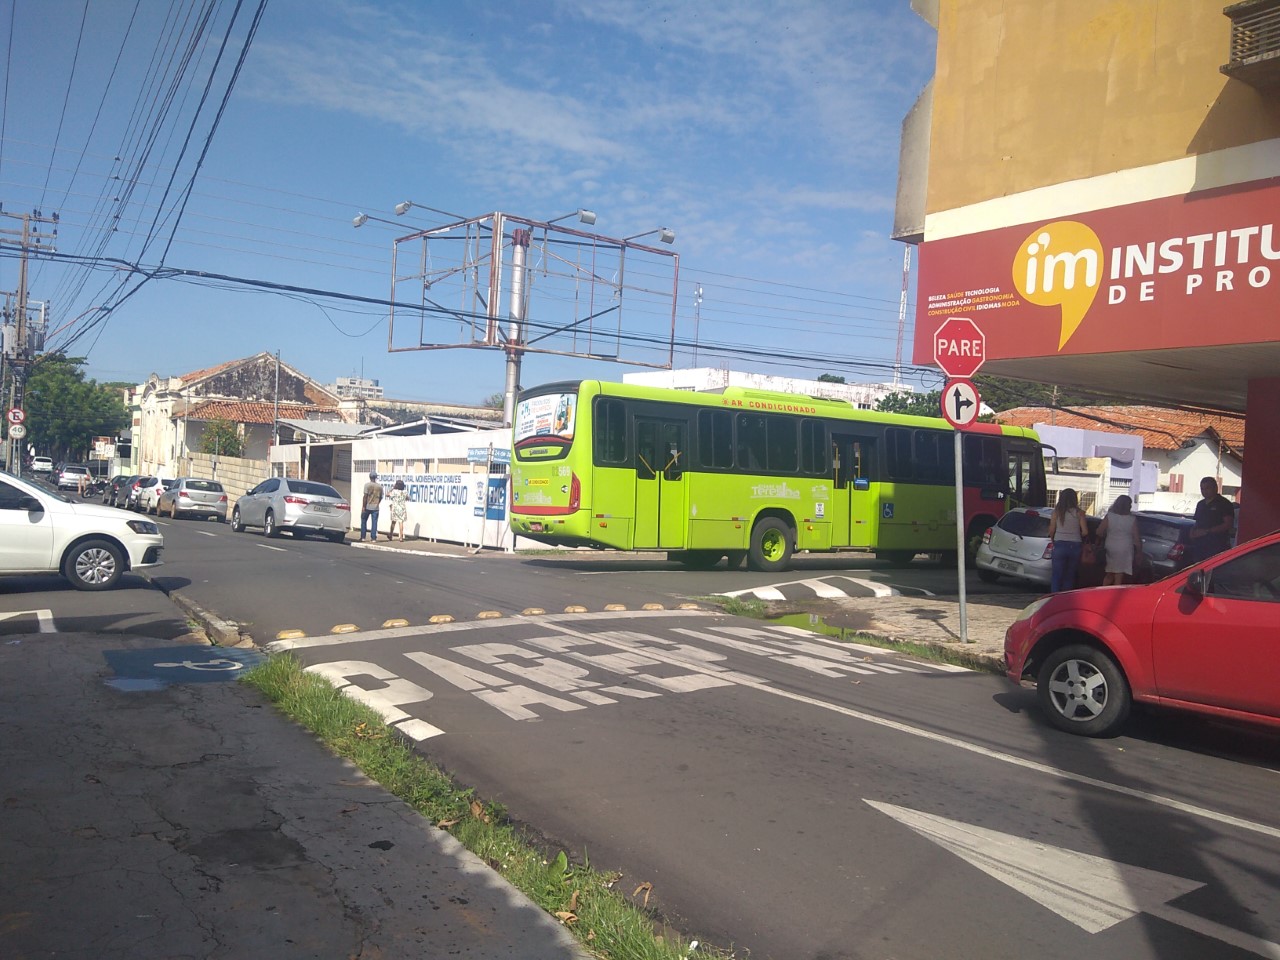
688	606
531	611
395	623
290	635
653	606
345	628
441	618
615	606
575	608
489	615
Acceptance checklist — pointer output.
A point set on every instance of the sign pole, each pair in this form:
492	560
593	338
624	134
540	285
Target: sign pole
960	532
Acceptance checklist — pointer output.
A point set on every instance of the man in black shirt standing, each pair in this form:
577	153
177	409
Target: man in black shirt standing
1215	515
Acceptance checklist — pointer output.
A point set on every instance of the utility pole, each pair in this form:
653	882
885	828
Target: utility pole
29	237
515	339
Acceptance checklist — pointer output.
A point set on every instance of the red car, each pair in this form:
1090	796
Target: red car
1205	639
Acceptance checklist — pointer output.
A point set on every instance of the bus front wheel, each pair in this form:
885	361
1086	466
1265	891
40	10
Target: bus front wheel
770	546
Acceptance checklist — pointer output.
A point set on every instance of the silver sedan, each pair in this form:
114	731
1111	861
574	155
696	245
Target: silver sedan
193	495
299	506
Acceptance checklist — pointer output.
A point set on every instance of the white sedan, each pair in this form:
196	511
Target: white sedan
89	544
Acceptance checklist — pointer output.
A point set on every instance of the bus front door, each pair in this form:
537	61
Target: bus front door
857	517
660	486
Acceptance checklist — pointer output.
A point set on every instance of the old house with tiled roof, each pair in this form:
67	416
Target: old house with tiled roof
1184	445
254	393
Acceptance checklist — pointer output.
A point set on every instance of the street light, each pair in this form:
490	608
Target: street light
360	219
664	234
584	216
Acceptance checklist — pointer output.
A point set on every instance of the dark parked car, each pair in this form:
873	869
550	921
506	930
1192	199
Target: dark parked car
1166	540
110	488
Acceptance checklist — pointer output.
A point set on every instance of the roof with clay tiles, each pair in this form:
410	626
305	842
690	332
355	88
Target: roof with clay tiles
1159	427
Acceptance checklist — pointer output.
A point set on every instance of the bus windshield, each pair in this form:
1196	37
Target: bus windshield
546	415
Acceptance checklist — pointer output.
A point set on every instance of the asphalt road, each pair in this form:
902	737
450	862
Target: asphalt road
783	795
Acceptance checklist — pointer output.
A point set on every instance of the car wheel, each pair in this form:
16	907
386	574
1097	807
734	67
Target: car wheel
1083	690
237	525
987	576
269	525
94	565
770	546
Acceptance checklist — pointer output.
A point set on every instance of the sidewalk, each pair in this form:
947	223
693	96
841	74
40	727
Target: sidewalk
195	821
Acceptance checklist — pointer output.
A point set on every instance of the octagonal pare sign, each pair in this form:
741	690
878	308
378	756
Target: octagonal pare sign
959	347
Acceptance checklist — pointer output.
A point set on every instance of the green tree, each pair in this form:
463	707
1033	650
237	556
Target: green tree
495	401
916	404
830	378
1003	393
65	411
221	438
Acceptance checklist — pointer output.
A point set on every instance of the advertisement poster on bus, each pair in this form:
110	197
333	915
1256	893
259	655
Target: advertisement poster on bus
549	415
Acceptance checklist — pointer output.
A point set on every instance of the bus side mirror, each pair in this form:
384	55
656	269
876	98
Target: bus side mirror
861	483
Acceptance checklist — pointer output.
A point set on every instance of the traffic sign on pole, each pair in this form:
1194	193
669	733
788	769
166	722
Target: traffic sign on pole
16	415
959	347
17	431
960	403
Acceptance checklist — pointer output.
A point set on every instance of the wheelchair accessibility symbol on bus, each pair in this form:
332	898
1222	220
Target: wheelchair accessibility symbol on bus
886	511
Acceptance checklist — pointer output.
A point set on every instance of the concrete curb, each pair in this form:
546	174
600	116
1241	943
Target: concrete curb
221	633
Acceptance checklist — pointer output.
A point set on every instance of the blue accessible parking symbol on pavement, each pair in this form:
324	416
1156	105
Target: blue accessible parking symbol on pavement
155	668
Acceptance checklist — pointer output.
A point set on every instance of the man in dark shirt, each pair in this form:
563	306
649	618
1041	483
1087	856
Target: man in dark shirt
1215	515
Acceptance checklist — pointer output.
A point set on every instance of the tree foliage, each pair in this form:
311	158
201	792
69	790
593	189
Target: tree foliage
830	378
65	411
1002	393
495	401
221	438
916	404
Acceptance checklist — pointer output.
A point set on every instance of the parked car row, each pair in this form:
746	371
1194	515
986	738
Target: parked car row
1017	546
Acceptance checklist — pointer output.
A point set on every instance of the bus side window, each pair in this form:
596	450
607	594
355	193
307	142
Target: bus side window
898	441
715	439
813	460
983	462
611	431
782	453
753	444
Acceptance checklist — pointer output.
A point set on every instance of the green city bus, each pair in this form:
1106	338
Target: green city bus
753	474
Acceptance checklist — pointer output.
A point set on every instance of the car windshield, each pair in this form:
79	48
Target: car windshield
1023	524
310	488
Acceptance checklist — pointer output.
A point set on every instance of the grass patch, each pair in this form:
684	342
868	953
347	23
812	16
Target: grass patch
606	923
738	607
935	652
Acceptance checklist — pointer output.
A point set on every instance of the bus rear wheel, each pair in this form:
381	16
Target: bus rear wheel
770	546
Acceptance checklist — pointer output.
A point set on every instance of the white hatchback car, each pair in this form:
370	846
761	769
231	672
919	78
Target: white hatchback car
89	544
41	465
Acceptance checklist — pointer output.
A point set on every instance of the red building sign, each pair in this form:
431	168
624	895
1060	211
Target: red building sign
1187	271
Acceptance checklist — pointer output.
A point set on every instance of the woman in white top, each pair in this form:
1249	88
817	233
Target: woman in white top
1068	531
1124	543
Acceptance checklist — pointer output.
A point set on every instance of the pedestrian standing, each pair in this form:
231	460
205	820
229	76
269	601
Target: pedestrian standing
1119	531
1068	531
370	504
399	510
1215	515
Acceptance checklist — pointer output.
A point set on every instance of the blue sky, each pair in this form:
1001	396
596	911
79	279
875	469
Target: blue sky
765	134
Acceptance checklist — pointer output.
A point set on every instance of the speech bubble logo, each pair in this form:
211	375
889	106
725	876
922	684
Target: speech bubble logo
1060	264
